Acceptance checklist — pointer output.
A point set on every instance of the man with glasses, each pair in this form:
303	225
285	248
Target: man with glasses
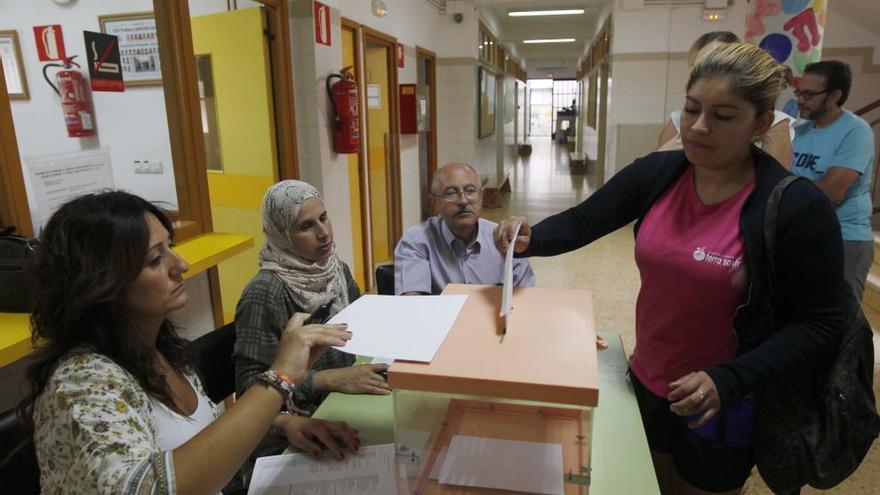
835	149
456	246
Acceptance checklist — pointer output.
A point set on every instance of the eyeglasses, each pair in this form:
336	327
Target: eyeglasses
451	195
808	95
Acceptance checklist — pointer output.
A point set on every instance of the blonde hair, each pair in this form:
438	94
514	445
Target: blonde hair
752	73
710	37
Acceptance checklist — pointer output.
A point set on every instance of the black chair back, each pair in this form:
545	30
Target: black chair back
19	471
214	355
385	279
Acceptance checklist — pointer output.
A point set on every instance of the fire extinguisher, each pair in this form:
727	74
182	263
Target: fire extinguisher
343	96
76	98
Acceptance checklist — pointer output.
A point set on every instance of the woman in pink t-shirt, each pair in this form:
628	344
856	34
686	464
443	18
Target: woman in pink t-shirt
700	350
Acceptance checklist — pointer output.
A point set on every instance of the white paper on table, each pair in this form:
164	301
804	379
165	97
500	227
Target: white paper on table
507	290
513	465
399	327
368	472
382	360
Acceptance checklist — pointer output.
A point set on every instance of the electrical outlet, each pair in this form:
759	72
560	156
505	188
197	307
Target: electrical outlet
154	167
148	167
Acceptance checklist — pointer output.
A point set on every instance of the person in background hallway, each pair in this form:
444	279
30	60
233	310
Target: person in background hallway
299	271
117	404
835	148
776	142
456	246
700	349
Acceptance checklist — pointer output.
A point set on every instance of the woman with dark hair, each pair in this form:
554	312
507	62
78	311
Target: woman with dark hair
776	141
117	406
702	348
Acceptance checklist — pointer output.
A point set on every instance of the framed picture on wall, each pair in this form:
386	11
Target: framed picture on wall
13	68
138	46
486	102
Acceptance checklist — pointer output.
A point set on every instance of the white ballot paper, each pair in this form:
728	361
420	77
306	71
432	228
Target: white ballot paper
530	467
399	327
507	290
368	472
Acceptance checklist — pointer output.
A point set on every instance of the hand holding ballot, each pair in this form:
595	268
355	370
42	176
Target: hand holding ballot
507	229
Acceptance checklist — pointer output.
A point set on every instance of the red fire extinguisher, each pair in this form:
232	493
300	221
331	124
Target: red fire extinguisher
343	96
76	98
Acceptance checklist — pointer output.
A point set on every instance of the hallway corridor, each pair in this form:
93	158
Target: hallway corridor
541	186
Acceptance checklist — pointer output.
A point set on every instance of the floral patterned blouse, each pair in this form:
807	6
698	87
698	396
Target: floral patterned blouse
95	432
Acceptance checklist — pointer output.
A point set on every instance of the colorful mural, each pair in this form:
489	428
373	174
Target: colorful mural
791	31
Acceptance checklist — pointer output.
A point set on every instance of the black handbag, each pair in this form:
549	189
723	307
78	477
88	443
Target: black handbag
14	252
817	429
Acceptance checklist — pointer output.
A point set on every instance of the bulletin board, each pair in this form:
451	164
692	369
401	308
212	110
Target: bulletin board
486	102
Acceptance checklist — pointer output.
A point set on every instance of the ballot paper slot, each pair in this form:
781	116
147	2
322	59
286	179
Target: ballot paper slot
454	445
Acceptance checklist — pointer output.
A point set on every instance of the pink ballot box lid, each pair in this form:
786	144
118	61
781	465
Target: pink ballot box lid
548	353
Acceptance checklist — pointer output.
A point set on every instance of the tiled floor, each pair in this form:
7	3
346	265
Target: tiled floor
542	186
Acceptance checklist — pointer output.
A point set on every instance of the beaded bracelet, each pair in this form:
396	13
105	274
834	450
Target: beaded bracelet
282	383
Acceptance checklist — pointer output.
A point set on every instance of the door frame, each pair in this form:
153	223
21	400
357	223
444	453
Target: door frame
395	224
431	74
278	37
366	245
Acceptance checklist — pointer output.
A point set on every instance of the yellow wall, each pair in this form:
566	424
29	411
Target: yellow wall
240	60
378	125
357	234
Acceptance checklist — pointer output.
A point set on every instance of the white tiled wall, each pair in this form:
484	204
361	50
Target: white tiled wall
318	163
456	112
640	91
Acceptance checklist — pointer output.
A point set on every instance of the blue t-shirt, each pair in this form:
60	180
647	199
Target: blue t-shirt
847	143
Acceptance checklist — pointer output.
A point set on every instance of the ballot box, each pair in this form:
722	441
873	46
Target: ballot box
505	405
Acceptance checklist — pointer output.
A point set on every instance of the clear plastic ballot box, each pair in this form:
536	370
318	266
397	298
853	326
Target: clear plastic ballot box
532	379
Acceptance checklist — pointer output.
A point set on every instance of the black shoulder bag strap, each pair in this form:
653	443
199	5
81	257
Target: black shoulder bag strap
771	218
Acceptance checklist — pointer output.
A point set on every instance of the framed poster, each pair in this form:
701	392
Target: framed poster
138	46
10	55
486	102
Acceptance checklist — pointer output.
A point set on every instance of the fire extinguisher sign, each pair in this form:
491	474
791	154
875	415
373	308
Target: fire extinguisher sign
105	65
50	42
322	24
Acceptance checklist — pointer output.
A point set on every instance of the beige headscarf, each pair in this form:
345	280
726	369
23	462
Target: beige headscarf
309	283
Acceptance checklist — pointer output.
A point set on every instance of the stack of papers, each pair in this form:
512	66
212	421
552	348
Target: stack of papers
368	472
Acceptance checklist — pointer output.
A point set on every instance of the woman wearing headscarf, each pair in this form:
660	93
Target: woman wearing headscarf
299	271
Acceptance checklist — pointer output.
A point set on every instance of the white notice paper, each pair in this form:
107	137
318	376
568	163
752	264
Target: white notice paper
507	290
399	327
55	179
517	466
374	96
368	472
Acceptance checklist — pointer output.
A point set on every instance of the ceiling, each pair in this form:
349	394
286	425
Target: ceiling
559	59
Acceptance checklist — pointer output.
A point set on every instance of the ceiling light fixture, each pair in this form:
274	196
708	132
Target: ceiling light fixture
529	13
550	40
